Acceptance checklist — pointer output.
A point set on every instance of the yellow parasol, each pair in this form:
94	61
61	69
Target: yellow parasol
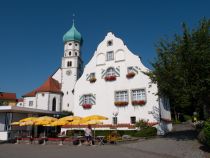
15	123
71	118
94	117
93	122
28	119
59	123
75	122
45	120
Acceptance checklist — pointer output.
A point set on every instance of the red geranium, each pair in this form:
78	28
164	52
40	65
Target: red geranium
138	102
121	103
110	78
130	75
86	106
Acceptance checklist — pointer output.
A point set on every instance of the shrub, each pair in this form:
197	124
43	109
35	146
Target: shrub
206	131
142	124
146	132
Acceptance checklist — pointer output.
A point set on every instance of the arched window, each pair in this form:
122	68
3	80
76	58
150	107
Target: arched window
75	53
69	63
70	53
54	104
110	72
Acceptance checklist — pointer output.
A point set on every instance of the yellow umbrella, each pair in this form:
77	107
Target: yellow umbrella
59	123
28	119
71	118
93	122
15	123
94	117
46	118
75	122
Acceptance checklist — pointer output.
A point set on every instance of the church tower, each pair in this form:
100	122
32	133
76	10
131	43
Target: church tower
71	67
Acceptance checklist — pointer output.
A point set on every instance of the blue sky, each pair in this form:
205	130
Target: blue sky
31	32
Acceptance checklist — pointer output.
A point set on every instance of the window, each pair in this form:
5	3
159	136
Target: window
75	53
121	96
67	105
110	72
70	44
67	92
130	69
92	75
133	120
54	104
114	120
76	44
87	99
110	56
138	94
43	94
70	53
109	43
69	63
30	103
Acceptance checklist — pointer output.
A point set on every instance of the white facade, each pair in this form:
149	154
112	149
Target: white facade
113	84
104	92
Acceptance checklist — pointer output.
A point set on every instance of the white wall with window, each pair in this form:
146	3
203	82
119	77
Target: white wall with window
122	89
121	96
138	94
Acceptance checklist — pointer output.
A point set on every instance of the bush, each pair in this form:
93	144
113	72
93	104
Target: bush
141	124
206	131
187	117
146	132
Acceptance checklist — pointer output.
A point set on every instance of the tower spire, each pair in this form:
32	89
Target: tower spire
73	16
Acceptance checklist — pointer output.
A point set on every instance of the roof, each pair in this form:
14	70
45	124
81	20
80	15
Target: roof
17	109
7	96
72	35
20	99
51	85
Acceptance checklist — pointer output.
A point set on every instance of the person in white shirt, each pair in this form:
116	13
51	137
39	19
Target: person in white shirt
88	135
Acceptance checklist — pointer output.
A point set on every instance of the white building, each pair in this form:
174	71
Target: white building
113	84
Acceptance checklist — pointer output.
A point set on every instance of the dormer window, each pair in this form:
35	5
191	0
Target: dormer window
109	43
110	55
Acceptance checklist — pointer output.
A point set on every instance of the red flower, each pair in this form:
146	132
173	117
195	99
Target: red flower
138	102
86	106
121	103
110	78
130	75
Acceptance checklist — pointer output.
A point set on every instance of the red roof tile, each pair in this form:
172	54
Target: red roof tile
7	96
20	100
51	85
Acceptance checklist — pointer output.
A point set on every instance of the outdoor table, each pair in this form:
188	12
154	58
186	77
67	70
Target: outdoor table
44	140
101	140
62	137
80	140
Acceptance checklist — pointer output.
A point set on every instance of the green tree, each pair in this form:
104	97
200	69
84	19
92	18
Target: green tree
182	70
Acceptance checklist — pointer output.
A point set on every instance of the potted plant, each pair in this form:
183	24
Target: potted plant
92	79
110	78
130	75
86	106
139	102
121	103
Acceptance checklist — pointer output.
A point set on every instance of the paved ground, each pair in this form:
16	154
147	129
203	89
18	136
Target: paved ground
179	144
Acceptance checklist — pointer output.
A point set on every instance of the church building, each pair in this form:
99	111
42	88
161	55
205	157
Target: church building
112	84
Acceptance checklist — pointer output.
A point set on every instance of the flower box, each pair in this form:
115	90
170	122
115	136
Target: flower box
120	103
110	78
92	80
139	102
86	106
130	75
